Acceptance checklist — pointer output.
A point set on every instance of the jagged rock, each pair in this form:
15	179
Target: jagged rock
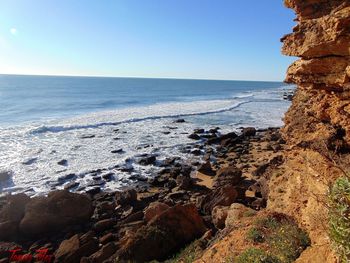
71	185
227	176
120	150
44	215
126	197
249	131
78	246
223	196
219	215
179	121
184	182
62	162
101	255
206	169
163	235
198	131
330	71
194	136
154	209
196	152
324	36
66	177
147	160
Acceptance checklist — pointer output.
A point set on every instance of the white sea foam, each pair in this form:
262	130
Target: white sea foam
32	151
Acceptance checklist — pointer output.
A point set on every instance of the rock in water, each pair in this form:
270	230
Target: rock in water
44	215
249	131
5	175
163	235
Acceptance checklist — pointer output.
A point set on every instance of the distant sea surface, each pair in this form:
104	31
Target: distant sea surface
54	126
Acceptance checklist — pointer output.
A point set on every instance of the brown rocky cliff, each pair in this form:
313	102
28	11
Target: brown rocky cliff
317	126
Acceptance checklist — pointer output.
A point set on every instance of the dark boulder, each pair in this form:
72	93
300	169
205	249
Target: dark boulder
78	246
227	176
206	169
194	136
11	214
223	196
249	131
163	235
179	121
5	175
147	160
126	197
44	215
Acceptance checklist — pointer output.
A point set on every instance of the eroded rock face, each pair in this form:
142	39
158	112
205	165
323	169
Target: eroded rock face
322	40
317	125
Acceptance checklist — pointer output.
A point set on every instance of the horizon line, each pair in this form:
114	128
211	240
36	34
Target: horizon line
138	77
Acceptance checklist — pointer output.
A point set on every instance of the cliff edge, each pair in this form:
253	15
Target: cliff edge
317	125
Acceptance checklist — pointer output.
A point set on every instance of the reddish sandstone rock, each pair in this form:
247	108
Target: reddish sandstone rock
317	125
330	71
321	37
219	215
154	210
163	235
223	196
78	246
59	209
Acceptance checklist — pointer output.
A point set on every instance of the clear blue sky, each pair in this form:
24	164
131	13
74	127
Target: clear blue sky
210	39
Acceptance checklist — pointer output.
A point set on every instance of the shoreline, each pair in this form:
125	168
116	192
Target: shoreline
230	174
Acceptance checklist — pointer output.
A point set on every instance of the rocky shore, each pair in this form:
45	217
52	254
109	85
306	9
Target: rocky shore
155	219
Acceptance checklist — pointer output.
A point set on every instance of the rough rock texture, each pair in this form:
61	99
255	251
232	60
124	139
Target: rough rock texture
59	209
317	126
163	235
78	246
11	214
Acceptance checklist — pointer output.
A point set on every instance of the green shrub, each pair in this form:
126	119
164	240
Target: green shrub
255	235
284	239
188	255
256	255
339	217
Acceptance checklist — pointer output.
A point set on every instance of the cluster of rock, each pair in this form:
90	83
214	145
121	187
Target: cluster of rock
143	223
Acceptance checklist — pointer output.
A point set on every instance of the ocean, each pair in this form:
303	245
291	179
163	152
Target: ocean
51	127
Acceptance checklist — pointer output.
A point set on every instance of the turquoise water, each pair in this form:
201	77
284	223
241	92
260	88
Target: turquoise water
45	119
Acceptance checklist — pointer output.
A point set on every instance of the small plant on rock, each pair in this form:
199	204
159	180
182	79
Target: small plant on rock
339	217
256	255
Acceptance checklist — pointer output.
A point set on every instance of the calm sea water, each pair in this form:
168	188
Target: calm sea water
44	120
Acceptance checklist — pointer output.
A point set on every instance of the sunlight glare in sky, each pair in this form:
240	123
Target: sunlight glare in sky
13	31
